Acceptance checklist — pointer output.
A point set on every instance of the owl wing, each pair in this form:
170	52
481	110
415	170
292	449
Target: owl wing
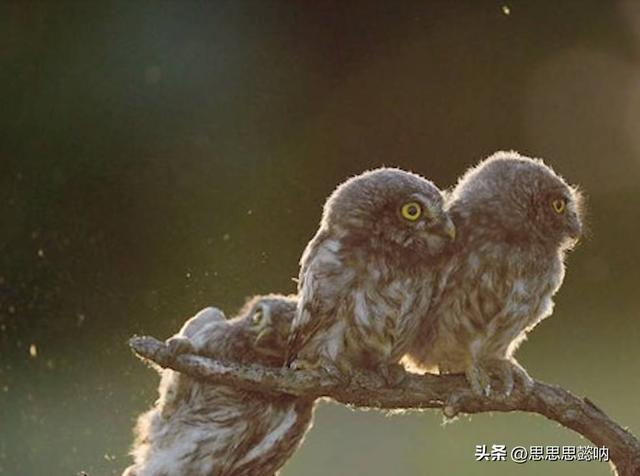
322	286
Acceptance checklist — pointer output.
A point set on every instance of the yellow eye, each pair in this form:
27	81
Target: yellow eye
411	211
559	204
257	317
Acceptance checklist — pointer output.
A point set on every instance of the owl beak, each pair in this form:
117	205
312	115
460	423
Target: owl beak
449	228
575	229
264	335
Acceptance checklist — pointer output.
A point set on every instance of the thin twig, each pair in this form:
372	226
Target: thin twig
448	392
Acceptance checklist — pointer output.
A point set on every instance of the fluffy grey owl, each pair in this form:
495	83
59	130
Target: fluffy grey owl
362	286
200	429
515	219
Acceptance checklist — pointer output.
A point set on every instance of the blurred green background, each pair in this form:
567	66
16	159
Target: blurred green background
158	157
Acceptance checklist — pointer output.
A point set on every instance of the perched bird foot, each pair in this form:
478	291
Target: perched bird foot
479	379
394	374
497	378
521	377
326	367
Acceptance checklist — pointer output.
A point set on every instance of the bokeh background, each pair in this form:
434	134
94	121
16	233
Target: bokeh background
158	157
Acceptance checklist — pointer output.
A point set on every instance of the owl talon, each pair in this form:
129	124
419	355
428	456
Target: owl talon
504	374
327	368
304	365
512	374
334	372
393	374
479	379
507	374
522	377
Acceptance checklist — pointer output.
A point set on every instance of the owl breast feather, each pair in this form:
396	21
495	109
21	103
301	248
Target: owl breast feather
385	314
358	308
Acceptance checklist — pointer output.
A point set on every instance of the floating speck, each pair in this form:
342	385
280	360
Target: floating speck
41	253
226	237
33	351
5	389
188	275
506	10
11	309
249	212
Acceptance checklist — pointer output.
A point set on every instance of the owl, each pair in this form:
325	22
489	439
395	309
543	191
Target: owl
362	286
201	429
516	219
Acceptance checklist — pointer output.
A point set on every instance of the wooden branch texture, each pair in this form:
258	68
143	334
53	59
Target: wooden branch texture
448	392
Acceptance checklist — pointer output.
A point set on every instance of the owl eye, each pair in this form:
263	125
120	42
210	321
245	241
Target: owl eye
257	317
559	204
411	211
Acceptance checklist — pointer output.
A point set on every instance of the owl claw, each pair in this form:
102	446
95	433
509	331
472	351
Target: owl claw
301	364
342	378
327	368
479	379
506	372
512	374
393	374
522	377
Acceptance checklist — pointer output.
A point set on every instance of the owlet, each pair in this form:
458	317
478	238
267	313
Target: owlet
204	429
515	218
365	277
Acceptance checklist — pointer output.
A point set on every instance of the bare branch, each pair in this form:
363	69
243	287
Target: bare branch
448	392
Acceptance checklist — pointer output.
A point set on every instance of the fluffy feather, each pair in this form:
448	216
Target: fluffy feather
365	276
501	277
199	429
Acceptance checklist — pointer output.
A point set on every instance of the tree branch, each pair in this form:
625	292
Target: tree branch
449	392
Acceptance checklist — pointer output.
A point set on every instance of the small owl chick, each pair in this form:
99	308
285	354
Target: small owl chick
515	219
201	429
365	277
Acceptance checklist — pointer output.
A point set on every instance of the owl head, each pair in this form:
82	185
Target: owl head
390	208
522	199
266	322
